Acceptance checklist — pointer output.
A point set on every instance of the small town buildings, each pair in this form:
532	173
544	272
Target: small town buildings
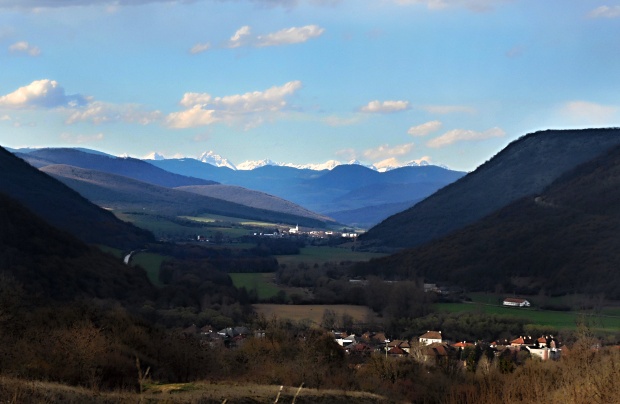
514	302
431	337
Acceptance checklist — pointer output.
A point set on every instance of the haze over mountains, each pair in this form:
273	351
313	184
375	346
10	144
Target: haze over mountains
126	194
352	194
525	167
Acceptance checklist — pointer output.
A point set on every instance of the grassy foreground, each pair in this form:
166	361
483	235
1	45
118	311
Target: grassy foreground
21	391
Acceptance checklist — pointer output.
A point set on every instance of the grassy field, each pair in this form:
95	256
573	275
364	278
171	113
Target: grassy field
151	263
314	312
554	319
262	283
318	255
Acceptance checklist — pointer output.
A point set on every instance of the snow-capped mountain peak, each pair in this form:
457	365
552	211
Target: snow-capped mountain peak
216	160
154	156
252	164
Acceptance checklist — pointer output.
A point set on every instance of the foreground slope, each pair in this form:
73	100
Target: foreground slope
64	208
524	167
562	241
51	264
122	193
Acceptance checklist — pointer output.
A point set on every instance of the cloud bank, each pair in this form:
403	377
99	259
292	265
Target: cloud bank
385	107
41	94
203	109
425	128
24	47
459	135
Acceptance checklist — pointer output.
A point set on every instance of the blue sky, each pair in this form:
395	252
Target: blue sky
305	81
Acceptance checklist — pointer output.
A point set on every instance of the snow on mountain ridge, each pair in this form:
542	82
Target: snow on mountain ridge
216	160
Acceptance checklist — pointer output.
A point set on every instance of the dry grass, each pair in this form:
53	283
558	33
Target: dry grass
314	312
22	391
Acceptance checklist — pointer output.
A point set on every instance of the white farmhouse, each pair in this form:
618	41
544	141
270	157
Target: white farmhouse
510	301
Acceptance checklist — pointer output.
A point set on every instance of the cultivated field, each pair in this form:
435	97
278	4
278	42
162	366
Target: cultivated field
313	313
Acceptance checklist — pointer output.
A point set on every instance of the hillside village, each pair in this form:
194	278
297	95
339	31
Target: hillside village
430	349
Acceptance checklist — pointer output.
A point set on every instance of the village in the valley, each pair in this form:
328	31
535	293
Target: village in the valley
431	348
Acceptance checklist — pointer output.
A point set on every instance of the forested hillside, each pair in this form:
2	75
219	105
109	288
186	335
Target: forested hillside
65	208
525	167
562	241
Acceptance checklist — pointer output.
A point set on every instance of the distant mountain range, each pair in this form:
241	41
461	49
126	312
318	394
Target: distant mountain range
524	168
560	240
126	194
216	160
353	192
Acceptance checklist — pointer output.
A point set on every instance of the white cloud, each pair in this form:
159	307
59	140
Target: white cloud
101	112
384	107
249	108
25	48
589	113
41	94
239	38
447	109
605	12
199	48
459	135
191	118
385	151
288	36
78	139
425	128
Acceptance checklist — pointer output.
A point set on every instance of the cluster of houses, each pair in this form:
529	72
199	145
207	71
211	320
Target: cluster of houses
428	347
433	347
295	231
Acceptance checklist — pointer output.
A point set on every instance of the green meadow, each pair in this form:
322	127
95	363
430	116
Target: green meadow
261	282
151	263
560	320
321	254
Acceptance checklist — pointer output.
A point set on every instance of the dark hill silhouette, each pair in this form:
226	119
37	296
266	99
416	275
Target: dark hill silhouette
562	241
524	167
51	264
126	194
128	167
64	208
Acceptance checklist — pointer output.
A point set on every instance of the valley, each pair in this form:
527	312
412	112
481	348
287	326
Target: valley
246	279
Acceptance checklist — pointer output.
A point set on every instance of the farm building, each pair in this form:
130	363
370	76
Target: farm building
510	301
